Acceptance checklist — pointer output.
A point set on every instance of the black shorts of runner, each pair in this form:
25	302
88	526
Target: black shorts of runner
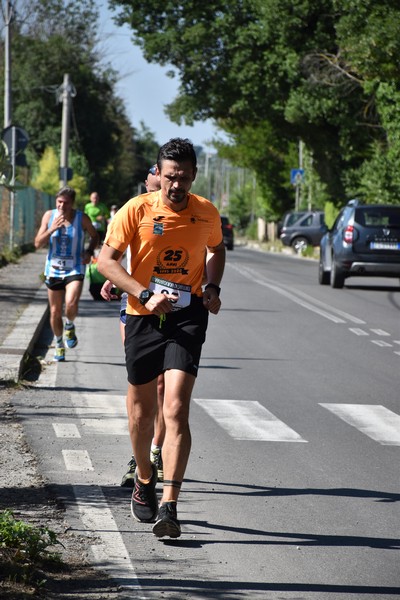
151	349
59	283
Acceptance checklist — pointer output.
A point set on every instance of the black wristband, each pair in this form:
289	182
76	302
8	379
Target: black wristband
214	286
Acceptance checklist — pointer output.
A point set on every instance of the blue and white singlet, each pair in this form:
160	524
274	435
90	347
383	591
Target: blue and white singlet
66	245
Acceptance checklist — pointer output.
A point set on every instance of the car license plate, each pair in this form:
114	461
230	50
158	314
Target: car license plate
385	246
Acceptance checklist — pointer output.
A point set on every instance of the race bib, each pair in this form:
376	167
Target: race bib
62	263
181	293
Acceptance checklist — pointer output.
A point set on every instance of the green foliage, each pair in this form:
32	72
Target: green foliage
272	72
8	255
251	230
47	178
51	38
331	212
5	167
26	541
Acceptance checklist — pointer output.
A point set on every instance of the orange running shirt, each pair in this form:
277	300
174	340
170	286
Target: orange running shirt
165	244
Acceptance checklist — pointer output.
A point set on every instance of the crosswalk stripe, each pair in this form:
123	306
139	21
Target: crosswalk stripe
77	460
89	403
382	343
248	420
106	426
375	421
66	430
380	332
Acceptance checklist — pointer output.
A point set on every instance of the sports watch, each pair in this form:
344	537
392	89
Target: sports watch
145	296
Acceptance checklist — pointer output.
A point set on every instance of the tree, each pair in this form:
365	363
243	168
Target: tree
47	177
272	72
51	38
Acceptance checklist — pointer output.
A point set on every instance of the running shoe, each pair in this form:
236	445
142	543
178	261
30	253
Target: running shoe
128	478
70	336
156	459
59	354
167	523
144	505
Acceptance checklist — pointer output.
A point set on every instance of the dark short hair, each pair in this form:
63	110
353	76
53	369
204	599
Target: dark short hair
67	191
178	149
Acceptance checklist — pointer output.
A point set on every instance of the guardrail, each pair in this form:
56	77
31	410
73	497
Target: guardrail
29	206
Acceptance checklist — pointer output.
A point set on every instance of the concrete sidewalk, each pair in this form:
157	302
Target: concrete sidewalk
23	310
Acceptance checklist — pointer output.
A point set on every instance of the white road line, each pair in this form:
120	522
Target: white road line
294	297
380	332
77	460
382	343
111	554
106	425
89	403
302	303
66	430
358	331
375	421
248	420
342	313
48	376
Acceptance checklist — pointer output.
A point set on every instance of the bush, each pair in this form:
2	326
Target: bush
25	541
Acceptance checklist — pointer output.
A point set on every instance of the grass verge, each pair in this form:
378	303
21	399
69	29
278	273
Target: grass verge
24	551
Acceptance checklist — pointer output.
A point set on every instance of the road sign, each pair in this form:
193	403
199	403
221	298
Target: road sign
296	176
65	173
21	138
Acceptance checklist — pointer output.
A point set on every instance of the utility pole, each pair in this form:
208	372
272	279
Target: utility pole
67	92
7	109
310	181
298	184
7	64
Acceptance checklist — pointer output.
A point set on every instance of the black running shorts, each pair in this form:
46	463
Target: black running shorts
151	349
59	283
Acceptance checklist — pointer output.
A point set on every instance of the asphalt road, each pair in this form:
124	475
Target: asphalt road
292	489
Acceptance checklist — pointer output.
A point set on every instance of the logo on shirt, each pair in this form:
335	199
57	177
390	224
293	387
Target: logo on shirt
172	260
158	228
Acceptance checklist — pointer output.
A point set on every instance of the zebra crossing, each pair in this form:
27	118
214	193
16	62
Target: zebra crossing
102	414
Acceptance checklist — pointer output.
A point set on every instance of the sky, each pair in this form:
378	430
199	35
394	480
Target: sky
144	87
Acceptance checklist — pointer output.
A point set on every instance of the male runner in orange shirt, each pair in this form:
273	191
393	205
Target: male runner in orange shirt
167	316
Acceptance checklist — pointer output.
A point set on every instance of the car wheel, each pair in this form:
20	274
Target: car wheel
300	244
337	276
324	277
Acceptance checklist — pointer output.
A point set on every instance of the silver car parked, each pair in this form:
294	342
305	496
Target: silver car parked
301	229
364	241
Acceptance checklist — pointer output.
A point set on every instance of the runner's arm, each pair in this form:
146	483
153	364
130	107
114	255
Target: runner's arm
215	264
44	232
109	265
94	238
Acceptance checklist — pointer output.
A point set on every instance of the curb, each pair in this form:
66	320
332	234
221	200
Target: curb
20	342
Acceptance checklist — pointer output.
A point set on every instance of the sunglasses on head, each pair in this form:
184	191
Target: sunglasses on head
152	169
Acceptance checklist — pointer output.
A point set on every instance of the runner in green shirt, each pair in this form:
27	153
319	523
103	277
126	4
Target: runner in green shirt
98	213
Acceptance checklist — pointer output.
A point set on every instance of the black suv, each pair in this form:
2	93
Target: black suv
302	228
364	241
227	232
